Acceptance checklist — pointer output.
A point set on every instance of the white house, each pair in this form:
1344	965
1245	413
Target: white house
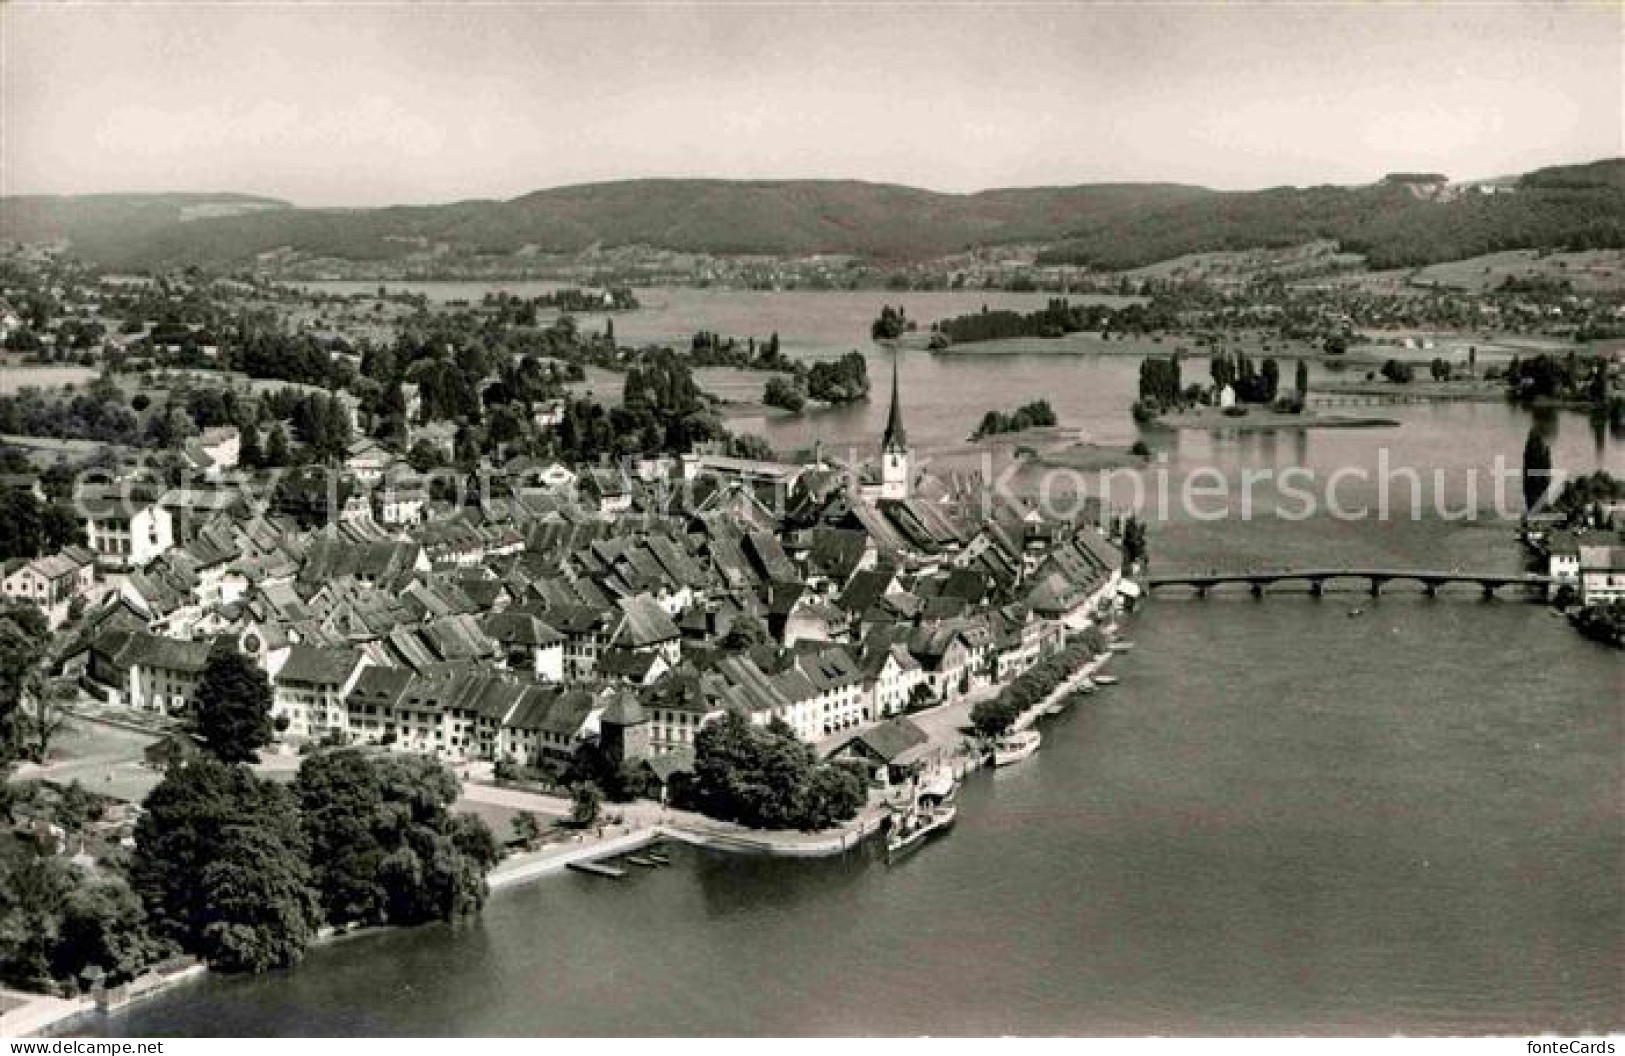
51	583
125	532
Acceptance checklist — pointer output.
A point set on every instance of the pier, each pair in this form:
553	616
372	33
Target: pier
1375	580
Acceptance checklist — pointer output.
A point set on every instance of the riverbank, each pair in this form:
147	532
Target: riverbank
1263	419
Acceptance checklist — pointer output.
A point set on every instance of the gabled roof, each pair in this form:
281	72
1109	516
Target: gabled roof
645	624
315	666
514	627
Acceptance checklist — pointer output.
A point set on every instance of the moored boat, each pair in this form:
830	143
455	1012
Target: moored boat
1105	680
1121	647
916	825
1014	747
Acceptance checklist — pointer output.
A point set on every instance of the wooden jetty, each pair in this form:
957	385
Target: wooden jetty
611	872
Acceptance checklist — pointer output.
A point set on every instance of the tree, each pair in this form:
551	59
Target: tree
767	777
1537	469
994	716
233	707
527	829
385	846
584	804
221	866
784	392
249	453
22	525
42	715
24	639
276	447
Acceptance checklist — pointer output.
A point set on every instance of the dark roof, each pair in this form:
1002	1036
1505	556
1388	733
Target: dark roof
324	667
520	628
889	740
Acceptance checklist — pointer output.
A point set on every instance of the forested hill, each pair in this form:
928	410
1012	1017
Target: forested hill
1395	223
1403	220
101	220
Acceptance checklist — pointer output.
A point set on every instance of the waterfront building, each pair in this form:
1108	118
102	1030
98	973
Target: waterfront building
1602	574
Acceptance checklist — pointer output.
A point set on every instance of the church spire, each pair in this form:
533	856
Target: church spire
894	437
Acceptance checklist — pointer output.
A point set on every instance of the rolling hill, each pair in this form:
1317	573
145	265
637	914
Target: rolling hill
1108	225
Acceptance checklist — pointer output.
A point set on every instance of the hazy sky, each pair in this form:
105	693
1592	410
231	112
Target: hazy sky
360	104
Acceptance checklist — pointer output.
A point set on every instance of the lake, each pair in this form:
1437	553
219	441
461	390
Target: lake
1285	819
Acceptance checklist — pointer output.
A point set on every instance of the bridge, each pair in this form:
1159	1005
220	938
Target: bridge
1375	579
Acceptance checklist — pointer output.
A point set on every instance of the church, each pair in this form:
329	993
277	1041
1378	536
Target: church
893	480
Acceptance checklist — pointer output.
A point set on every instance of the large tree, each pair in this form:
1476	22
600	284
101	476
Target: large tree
233	703
767	777
221	865
385	845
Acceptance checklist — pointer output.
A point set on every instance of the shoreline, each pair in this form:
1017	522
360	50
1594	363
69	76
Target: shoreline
1268	421
43	1012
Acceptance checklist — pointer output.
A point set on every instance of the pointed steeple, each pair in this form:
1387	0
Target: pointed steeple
894	438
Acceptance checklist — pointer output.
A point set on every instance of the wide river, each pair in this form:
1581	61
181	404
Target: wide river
1287	818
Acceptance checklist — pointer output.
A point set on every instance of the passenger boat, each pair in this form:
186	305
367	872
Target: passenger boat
1014	747
916	825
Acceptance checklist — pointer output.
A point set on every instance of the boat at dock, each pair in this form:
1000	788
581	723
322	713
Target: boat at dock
914	826
1105	680
1121	647
1014	747
641	861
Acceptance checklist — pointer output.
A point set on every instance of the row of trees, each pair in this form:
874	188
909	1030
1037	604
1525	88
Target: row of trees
1056	319
993	717
709	349
1034	415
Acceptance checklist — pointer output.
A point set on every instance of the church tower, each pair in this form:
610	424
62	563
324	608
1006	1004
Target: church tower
894	459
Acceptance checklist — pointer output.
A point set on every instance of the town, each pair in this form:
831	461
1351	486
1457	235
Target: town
433	548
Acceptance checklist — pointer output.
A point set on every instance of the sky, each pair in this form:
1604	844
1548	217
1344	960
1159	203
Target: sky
358	104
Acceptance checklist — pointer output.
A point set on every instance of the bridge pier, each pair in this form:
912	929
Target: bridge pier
1317	587
1376	587
1489	590
1430	588
1201	591
1257	589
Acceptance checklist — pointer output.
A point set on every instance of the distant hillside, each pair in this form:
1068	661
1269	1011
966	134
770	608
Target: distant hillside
1569	207
1109	225
95	220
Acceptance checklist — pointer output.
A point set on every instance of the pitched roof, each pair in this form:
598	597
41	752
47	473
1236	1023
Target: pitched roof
317	666
645	623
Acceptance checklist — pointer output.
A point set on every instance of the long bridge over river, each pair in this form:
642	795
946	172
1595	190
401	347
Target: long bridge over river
1316	580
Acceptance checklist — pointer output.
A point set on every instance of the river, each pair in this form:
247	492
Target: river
1285	819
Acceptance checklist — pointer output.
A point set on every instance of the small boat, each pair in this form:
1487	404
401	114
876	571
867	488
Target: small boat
1121	647
1355	612
911	829
658	858
1058	707
1085	687
642	862
1014	747
1105	680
